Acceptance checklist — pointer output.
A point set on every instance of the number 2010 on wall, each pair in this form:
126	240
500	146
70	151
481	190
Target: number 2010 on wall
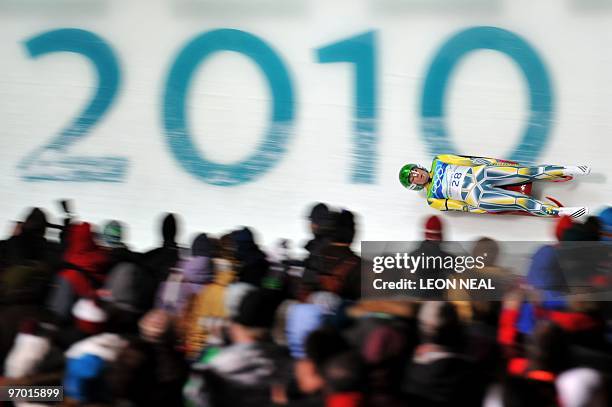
55	162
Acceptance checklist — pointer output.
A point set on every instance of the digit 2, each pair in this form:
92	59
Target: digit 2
53	161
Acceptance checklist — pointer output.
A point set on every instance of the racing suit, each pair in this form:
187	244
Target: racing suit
471	184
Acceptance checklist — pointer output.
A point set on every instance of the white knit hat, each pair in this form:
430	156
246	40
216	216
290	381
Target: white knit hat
89	318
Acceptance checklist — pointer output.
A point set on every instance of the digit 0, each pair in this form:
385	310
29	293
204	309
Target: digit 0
270	149
441	69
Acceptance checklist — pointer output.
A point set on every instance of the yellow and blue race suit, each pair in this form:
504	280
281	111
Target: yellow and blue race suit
471	184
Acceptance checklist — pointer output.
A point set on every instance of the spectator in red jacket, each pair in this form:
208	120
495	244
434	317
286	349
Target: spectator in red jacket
82	274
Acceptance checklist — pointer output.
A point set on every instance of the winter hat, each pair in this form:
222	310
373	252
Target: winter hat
563	224
169	228
344	227
201	246
606	223
257	309
243	236
319	213
36	222
112	234
433	228
88	317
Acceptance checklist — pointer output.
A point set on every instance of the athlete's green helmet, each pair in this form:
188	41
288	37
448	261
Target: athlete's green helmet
404	177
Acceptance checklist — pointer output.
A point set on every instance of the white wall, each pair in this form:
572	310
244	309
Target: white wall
228	109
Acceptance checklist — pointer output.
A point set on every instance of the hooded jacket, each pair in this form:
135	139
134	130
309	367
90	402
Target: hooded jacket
82	275
86	362
159	261
207	308
253	264
241	375
192	274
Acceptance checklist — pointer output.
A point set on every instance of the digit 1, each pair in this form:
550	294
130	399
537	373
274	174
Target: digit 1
360	50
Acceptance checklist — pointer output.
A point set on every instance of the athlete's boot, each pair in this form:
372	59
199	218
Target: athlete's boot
573	170
574	212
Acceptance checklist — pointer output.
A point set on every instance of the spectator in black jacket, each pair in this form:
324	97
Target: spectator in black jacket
159	261
337	269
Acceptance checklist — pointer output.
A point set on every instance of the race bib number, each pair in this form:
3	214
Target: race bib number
455	175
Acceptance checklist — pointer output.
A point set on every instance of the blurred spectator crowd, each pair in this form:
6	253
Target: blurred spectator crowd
225	323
